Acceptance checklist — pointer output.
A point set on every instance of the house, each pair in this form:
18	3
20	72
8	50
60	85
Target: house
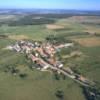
33	58
26	49
59	64
36	44
83	79
43	64
17	48
49	50
41	51
52	61
68	70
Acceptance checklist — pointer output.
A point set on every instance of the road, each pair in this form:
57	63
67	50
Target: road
68	75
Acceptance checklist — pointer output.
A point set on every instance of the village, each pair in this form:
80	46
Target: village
43	56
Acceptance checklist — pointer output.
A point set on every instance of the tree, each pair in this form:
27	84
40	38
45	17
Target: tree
23	75
59	94
56	76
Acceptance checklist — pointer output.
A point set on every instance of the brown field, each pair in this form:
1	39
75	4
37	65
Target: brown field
78	18
53	26
92	30
88	42
85	18
18	37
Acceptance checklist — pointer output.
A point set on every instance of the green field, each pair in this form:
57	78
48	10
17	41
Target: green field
42	85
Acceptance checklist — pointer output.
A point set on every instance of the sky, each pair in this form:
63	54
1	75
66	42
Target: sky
52	4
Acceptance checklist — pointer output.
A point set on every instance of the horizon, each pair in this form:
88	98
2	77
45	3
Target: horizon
46	9
51	4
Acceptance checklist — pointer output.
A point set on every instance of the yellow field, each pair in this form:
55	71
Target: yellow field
18	37
54	26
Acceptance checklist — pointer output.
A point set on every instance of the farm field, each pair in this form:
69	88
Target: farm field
84	31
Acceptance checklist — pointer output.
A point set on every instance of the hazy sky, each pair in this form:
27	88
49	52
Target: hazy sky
54	4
